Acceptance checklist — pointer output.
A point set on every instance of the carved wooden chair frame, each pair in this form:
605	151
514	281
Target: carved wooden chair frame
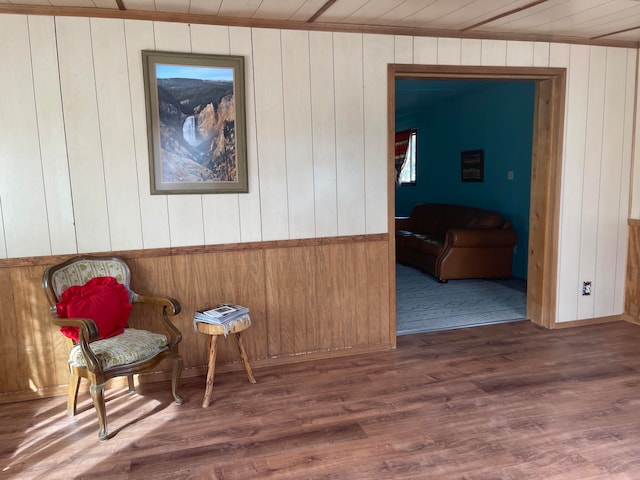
88	332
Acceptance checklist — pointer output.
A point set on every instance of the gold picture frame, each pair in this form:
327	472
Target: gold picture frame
196	122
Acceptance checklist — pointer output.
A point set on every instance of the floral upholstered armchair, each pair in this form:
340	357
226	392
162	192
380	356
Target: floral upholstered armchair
90	299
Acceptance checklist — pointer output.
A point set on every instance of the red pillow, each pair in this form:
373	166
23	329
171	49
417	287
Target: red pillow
103	300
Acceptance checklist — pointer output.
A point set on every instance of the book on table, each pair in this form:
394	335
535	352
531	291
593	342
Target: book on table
221	314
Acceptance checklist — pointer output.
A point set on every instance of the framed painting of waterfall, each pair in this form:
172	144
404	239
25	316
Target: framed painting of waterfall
195	122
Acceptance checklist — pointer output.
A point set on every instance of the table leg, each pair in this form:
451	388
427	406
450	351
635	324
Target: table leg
211	370
245	359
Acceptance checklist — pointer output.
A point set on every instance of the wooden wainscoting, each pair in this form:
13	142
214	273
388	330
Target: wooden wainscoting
632	281
308	299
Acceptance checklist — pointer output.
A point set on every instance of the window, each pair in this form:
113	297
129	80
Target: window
406	140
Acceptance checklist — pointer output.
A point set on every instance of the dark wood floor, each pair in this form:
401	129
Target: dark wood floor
508	401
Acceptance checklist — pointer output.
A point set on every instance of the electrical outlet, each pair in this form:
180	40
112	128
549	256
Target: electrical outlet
586	288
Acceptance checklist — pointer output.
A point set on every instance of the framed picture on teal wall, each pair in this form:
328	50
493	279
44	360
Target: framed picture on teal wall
472	166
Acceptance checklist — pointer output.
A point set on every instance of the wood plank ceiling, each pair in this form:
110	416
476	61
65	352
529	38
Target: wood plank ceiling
578	21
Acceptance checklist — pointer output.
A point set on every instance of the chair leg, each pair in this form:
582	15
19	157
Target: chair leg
175	379
72	399
97	394
132	385
245	359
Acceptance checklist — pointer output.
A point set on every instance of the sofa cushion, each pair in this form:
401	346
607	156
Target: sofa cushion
403	237
469	218
430	244
437	218
486	220
427	218
423	242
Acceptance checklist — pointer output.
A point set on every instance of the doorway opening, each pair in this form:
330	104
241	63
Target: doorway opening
489	123
545	173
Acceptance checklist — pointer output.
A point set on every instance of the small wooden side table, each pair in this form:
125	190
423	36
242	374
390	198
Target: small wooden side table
215	331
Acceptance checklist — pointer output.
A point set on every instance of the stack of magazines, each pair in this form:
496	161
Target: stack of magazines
221	314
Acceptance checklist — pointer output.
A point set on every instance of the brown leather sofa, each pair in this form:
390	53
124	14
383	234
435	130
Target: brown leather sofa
454	242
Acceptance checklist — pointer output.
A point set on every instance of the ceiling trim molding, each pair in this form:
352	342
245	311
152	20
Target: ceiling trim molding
616	33
505	14
296	25
321	10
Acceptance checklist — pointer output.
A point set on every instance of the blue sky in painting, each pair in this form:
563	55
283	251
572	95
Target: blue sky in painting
189	71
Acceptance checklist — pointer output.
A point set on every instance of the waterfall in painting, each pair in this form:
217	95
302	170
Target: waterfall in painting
189	131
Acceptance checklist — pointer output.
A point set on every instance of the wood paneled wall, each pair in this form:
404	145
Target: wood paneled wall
596	162
75	175
77	161
307	299
596	181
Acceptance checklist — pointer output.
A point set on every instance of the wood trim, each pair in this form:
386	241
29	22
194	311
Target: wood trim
391	200
476	72
296	25
202	249
617	32
504	14
591	321
321	10
630	277
633	140
535	269
550	279
306	357
545	199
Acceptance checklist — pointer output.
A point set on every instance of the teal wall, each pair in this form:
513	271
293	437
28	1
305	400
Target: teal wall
497	119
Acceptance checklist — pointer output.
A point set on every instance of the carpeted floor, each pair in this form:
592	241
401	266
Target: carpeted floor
423	304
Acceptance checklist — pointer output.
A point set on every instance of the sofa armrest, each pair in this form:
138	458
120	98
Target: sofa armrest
403	223
481	238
